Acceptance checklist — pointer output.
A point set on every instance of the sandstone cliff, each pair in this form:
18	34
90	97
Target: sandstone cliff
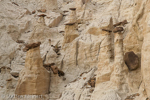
100	49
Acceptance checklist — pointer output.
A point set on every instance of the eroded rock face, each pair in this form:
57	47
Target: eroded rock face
73	90
131	60
84	43
34	78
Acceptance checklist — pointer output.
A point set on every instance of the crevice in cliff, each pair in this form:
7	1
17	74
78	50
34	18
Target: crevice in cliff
62	63
90	38
91	51
77	47
85	54
100	46
140	85
12	57
44	58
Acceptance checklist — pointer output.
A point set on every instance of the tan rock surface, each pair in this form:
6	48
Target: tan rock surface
71	19
34	79
84	45
70	33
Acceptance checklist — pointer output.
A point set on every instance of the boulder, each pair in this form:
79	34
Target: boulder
14	73
54	69
131	60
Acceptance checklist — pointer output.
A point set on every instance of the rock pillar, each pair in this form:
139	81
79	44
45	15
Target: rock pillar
70	27
104	71
117	77
104	59
34	79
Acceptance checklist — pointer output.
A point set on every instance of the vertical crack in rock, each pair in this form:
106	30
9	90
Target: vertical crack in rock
91	51
140	84
100	45
90	38
85	54
77	48
62	62
45	57
99	48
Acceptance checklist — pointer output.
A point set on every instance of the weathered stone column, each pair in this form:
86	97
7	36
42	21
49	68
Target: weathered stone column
103	68
119	57
104	58
70	27
71	19
34	79
103	72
